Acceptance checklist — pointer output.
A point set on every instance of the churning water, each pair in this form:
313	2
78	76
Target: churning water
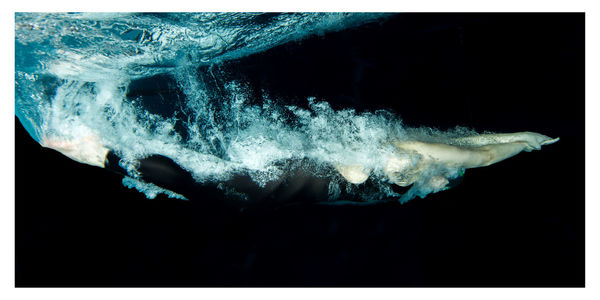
74	75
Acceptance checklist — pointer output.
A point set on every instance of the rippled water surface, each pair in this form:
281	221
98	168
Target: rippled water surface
88	74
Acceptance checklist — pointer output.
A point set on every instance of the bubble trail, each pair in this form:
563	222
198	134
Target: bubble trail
82	75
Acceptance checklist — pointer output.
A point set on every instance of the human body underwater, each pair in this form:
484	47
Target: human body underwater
78	92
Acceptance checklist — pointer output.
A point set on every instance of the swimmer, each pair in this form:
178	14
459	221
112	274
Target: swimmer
414	157
407	166
166	173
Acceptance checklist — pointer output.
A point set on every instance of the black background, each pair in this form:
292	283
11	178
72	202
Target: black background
516	223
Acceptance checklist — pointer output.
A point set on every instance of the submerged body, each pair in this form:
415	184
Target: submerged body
410	165
174	99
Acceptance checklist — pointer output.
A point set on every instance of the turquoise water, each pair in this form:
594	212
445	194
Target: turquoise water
74	73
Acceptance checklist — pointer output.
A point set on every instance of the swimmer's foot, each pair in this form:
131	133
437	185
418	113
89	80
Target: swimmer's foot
88	149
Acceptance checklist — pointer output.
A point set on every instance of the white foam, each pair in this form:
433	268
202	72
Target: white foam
93	58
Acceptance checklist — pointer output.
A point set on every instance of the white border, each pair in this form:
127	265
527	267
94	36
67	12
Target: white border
7	130
307	5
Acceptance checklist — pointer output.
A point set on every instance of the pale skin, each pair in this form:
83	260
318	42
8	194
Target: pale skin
466	152
87	150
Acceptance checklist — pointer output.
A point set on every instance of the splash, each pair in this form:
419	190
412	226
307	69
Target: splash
85	74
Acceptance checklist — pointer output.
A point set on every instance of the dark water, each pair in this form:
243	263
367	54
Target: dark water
517	223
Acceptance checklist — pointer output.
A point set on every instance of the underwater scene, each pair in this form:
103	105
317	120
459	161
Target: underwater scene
287	149
147	84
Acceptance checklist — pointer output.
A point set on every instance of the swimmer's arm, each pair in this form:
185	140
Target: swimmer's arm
486	139
456	156
470	157
502	138
523	141
481	151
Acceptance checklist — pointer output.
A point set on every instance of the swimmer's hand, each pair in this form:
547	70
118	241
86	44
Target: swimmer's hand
87	150
534	141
